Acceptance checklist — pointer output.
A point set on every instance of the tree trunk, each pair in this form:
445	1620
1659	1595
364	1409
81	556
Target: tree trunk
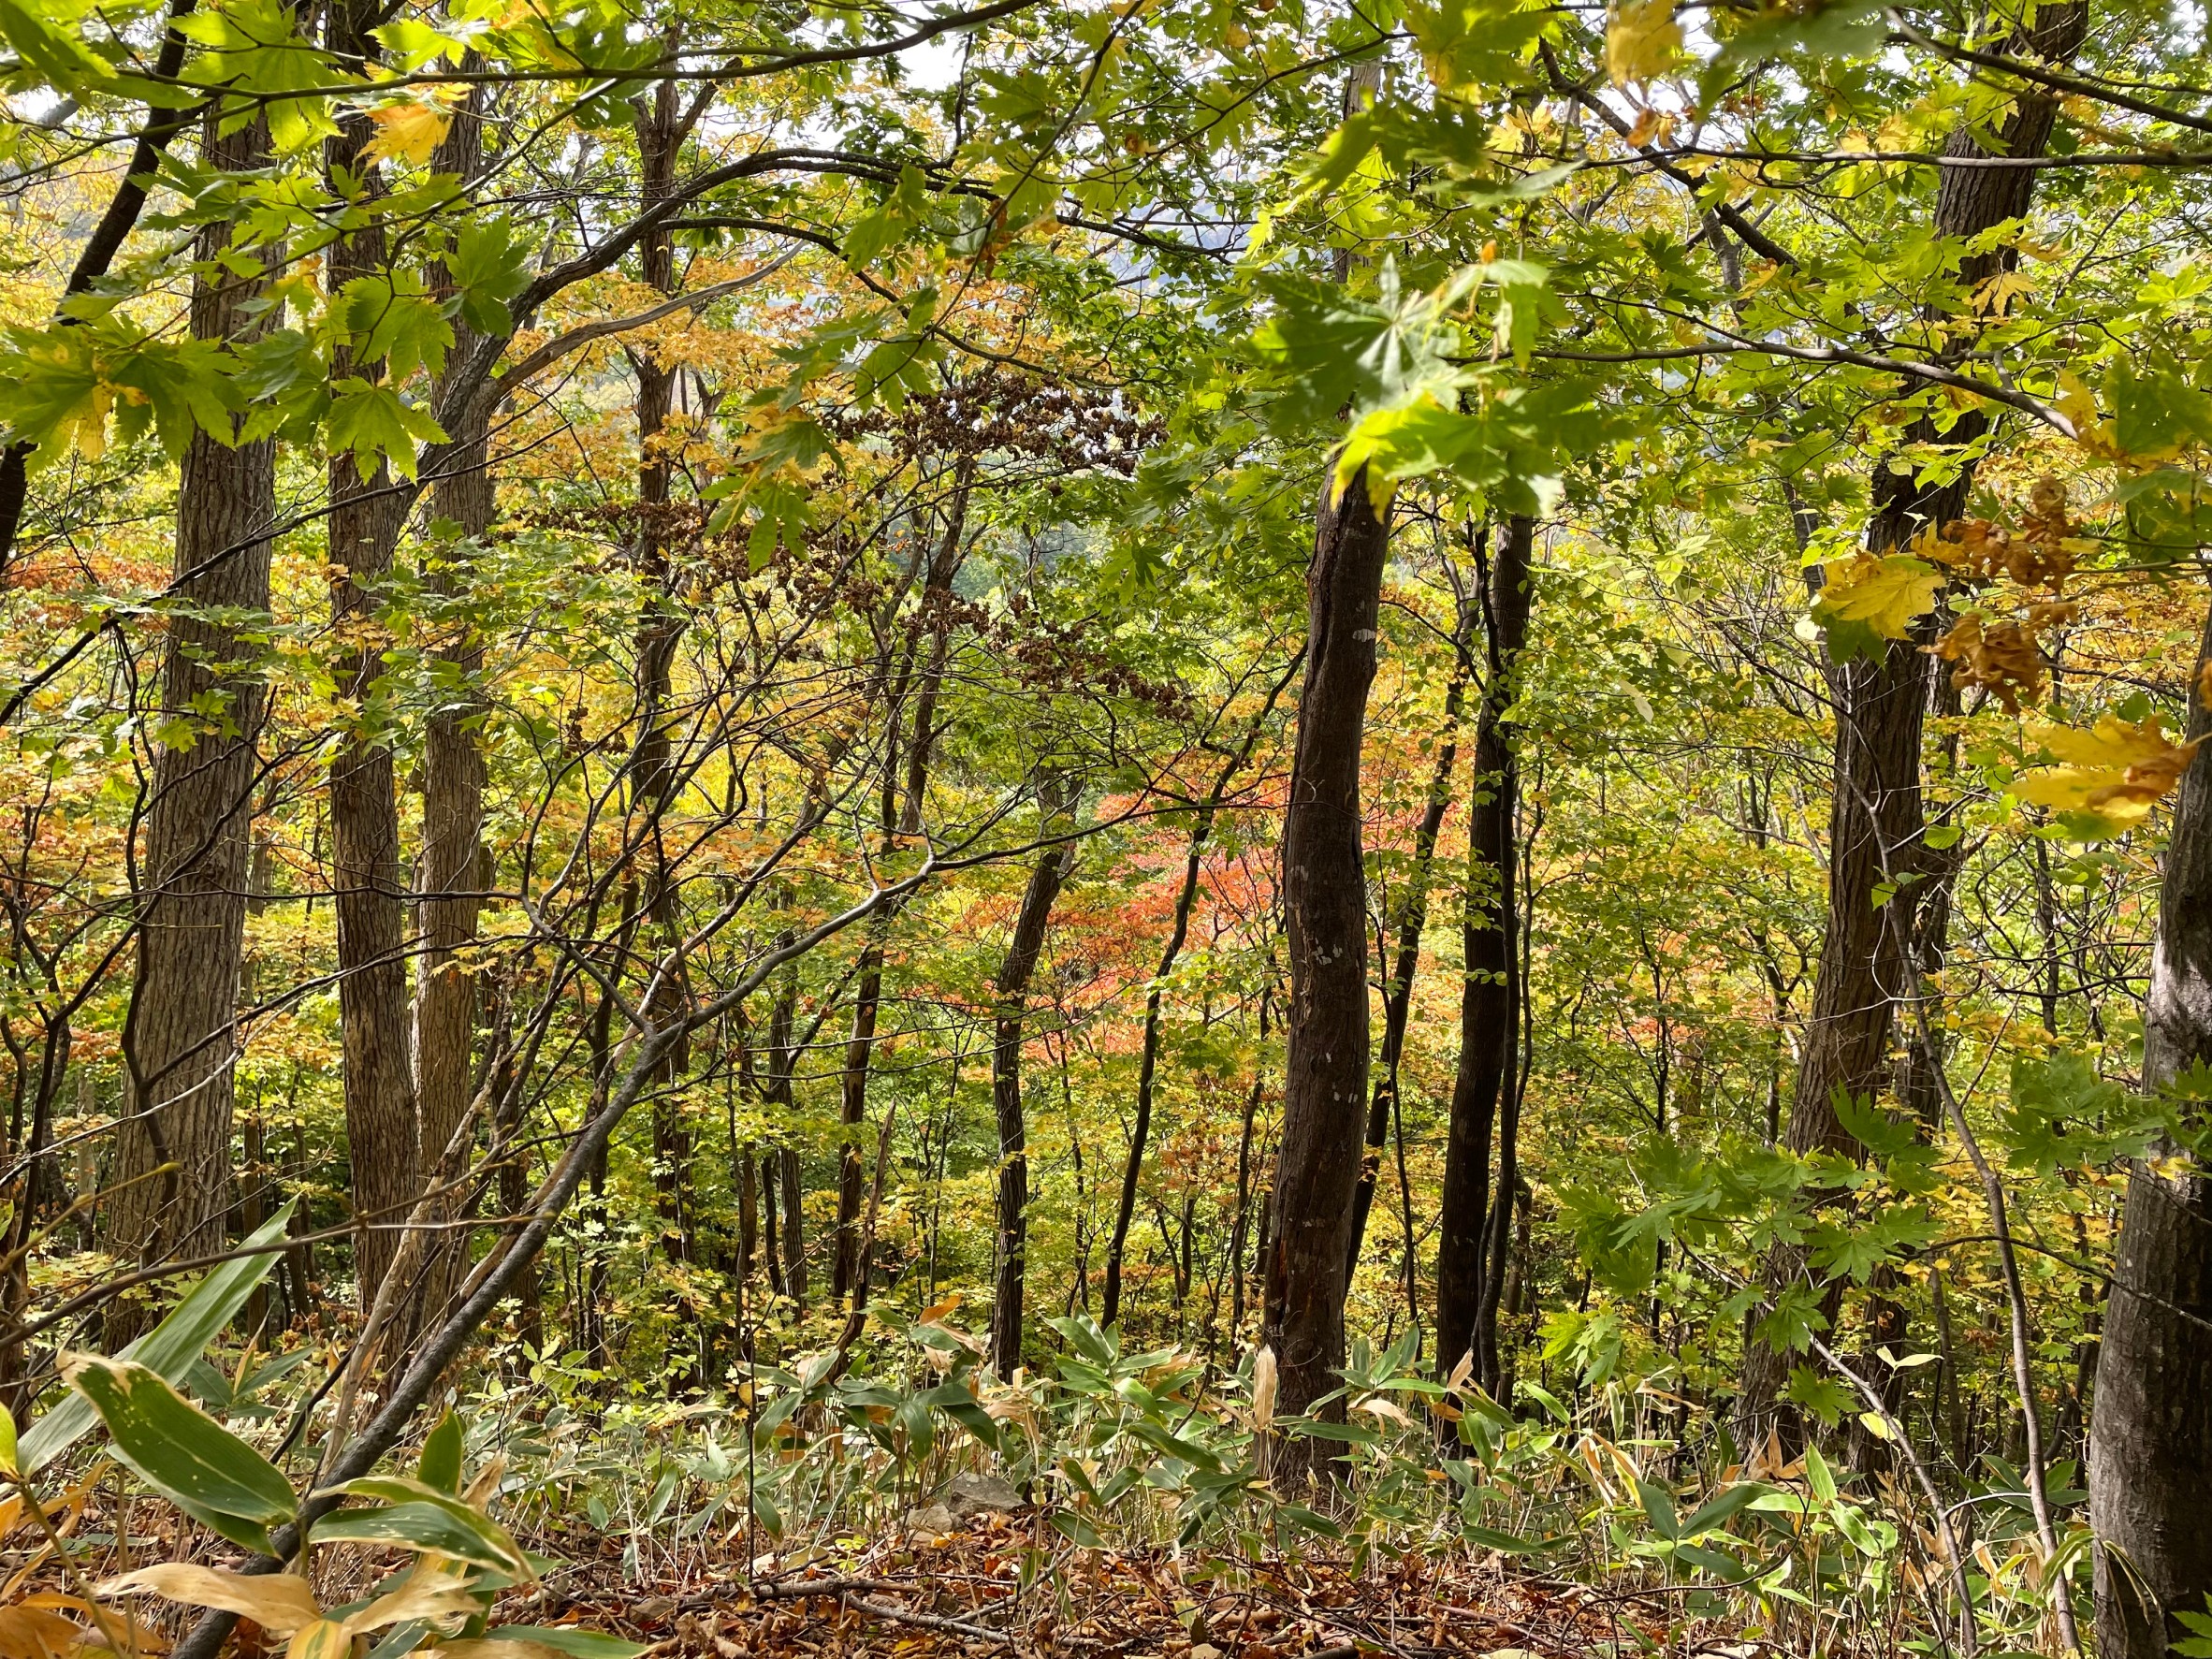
783	1171
897	819
1874	819
1202	833
181	1028
1325	906
370	886
2151	1435
660	133
1006	1093
449	876
1490	995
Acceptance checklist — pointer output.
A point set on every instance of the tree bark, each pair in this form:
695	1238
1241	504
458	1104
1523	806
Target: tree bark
181	1037
2151	1435
1875	815
659	135
784	1057
1325	906
1490	995
370	886
449	877
1014	973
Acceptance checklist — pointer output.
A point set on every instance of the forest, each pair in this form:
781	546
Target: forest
1105	829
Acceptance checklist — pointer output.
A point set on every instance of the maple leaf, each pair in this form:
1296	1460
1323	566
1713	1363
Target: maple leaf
1885	591
2110	775
409	132
1642	41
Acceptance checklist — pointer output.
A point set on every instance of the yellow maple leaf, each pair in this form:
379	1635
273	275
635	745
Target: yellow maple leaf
2079	404
1885	590
2115	771
409	132
1642	40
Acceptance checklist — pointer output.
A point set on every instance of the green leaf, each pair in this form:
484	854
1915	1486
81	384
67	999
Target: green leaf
184	1454
1505	1543
61	58
1720	1511
397	324
1305	1519
373	422
1819	1475
423	1526
494	1546
172	1347
1659	1509
563	1638
441	1463
1075	1529
490	267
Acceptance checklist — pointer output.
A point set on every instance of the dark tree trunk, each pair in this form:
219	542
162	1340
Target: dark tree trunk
1239	1270
1325	906
449	876
181	1033
1489	996
782	1173
1006	1098
1875	815
853	1104
370	885
660	134
2150	1433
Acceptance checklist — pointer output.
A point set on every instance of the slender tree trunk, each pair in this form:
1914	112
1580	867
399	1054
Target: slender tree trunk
1202	833
1006	1093
660	134
181	1032
782	1172
1325	904
1148	1063
1875	814
449	876
2150	1433
370	885
1237	1269
1413	921
906	819
1489	998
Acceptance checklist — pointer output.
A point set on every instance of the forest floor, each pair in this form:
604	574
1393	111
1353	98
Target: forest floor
933	1595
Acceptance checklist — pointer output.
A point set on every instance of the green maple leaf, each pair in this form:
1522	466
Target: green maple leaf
490	267
375	423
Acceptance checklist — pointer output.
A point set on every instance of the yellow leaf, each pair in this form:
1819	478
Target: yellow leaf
2115	771
326	1638
36	1632
1886	591
2080	408
429	1597
1642	40
409	132
280	1603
